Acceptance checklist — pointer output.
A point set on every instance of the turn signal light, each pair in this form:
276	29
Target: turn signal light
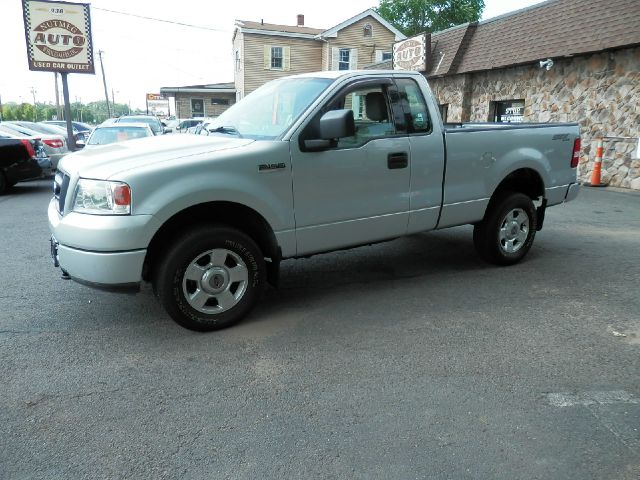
122	195
575	158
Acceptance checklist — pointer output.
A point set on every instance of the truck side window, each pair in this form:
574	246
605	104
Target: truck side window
371	113
414	105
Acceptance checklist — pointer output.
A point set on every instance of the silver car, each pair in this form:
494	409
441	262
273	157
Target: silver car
118	132
55	145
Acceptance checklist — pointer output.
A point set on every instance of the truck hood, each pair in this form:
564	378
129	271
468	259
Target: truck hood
109	160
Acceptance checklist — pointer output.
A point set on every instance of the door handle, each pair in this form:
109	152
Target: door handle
397	160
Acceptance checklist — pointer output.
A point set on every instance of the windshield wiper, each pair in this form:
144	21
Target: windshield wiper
229	130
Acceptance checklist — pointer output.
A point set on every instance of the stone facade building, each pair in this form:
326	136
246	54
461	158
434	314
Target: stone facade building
558	61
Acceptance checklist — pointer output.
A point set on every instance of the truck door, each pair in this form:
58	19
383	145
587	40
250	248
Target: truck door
358	191
427	155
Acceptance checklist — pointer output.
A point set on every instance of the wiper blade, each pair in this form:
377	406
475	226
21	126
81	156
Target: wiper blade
230	130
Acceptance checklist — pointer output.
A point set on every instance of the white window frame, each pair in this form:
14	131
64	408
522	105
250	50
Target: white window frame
341	61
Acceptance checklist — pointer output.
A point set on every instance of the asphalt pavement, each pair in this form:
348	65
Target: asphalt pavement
408	359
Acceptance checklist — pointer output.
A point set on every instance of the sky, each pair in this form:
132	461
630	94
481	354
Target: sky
140	56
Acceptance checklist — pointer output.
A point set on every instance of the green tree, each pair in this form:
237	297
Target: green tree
413	17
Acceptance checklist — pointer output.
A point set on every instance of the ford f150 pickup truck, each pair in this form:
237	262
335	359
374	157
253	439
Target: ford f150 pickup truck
305	164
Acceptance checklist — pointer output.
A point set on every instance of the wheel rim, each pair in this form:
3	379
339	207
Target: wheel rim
215	281
514	230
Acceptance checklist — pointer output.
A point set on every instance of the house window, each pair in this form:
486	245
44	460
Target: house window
237	60
219	101
368	30
507	111
343	63
386	56
197	107
276	58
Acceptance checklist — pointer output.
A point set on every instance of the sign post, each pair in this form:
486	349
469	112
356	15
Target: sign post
58	38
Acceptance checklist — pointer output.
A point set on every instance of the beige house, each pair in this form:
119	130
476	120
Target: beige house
195	101
264	51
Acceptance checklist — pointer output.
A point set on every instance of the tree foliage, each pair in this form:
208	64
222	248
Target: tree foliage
93	112
412	17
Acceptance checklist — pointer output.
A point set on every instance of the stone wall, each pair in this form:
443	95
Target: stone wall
601	92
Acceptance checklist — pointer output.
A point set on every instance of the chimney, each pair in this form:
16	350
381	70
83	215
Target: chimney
300	20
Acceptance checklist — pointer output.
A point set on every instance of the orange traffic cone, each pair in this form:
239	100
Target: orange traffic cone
597	167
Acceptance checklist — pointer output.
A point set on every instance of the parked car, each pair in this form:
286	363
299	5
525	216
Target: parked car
78	128
118	132
170	124
156	127
303	165
54	144
60	130
188	123
21	159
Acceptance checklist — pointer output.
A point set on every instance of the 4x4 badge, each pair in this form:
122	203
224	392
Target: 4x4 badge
271	166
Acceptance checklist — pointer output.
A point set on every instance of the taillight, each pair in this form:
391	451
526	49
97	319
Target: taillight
29	147
54	143
575	157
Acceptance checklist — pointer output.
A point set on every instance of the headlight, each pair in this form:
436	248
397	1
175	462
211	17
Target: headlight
100	197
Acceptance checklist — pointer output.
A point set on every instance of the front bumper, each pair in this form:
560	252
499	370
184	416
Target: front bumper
110	271
105	252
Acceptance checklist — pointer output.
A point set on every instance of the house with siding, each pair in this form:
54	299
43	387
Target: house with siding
264	51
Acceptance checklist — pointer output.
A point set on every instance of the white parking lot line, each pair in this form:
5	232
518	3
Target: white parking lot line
590	398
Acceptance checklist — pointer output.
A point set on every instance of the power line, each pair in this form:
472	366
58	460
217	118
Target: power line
162	20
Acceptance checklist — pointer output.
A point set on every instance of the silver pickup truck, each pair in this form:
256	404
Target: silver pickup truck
304	165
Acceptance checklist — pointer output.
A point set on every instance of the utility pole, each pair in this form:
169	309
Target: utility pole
104	81
58	109
35	109
113	102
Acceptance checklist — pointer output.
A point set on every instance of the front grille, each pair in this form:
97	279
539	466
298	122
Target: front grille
60	187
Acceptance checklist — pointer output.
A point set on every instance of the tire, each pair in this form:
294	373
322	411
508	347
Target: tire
210	278
3	184
506	233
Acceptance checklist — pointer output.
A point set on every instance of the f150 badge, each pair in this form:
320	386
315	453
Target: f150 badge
271	166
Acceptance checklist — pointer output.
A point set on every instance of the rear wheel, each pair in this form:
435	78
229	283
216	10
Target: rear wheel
3	184
506	233
211	278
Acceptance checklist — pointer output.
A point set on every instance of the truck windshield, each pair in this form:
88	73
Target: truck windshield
266	113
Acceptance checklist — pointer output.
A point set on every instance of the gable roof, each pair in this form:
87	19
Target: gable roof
556	28
247	26
333	31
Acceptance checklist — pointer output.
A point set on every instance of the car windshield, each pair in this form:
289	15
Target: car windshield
106	135
153	122
266	113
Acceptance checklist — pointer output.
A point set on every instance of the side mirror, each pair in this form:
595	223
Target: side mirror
334	125
337	124
80	144
166	130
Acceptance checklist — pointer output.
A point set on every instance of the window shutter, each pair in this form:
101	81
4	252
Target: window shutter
286	61
335	58
378	56
353	59
267	57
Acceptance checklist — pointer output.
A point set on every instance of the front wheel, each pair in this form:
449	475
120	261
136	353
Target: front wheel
210	278
506	233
